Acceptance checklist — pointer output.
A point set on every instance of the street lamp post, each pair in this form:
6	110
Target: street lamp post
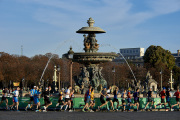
171	80
23	83
113	71
126	84
55	79
161	78
58	69
70	56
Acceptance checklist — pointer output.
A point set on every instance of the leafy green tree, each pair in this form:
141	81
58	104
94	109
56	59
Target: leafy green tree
157	57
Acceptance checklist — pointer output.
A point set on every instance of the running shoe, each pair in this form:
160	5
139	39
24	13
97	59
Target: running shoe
83	110
98	108
91	110
44	110
70	110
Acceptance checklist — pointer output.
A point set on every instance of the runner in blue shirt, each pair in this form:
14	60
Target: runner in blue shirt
88	99
36	98
31	94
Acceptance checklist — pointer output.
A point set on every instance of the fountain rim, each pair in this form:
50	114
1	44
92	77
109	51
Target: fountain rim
96	53
90	30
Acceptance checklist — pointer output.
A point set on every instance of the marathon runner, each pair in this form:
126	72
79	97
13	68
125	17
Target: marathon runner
4	97
71	99
67	99
162	94
149	94
31	93
108	97
47	102
177	94
124	100
87	99
102	97
168	95
15	99
36	99
60	101
129	99
136	98
92	104
115	97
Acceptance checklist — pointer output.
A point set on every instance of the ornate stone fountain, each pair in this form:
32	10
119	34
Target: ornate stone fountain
91	72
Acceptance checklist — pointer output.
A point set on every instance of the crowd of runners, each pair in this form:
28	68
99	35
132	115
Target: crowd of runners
65	101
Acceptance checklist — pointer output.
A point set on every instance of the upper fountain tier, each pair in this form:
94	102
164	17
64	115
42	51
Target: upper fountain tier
91	28
91	56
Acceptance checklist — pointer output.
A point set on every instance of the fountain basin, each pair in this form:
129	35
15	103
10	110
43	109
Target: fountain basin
93	58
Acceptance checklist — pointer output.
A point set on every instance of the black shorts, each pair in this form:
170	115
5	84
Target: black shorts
162	100
108	99
67	99
136	101
115	100
123	101
93	101
102	100
47	100
60	101
177	99
31	99
149	99
3	98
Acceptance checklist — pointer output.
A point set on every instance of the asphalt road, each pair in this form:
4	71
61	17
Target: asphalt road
52	115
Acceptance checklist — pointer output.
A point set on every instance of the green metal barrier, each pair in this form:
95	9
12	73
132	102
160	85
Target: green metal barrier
79	102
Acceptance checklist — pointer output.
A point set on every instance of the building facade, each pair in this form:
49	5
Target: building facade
133	55
177	57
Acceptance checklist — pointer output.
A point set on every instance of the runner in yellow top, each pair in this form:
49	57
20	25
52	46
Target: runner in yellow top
92	104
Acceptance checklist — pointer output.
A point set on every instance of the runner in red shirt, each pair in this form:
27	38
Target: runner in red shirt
177	94
163	96
129	99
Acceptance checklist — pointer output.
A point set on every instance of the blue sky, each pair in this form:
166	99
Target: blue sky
43	26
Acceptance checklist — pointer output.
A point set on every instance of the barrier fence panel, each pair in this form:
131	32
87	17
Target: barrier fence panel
79	102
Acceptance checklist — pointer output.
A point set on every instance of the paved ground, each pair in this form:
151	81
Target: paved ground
52	115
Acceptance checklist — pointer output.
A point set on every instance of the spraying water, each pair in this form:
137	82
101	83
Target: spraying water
59	46
123	58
